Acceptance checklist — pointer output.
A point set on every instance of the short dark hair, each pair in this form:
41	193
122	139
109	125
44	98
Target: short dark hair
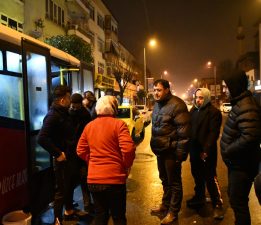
60	91
76	98
163	82
90	96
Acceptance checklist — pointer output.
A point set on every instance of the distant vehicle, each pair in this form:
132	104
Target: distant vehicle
225	107
145	113
131	116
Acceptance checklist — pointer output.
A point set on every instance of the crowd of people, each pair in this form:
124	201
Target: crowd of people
94	149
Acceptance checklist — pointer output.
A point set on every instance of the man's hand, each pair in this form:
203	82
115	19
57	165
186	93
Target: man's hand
203	156
61	158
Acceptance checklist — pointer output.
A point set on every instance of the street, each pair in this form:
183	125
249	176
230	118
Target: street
145	190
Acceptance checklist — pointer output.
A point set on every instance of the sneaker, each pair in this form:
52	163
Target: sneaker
218	213
196	202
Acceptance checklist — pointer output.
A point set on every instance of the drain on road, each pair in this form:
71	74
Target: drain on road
144	157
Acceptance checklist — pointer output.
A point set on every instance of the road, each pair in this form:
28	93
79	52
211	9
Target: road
145	190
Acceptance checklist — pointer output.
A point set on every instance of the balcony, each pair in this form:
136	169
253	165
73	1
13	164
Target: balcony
80	30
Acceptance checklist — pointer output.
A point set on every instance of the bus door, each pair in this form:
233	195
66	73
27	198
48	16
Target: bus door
36	82
13	160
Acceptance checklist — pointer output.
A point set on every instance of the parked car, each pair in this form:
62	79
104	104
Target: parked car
145	113
131	116
225	107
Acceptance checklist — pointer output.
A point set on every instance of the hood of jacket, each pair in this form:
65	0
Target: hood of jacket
206	95
237	83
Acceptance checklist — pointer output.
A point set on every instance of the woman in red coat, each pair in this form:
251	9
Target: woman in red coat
109	151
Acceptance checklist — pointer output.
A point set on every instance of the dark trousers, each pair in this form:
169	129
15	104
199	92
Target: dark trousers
204	174
86	194
170	175
239	186
109	200
66	176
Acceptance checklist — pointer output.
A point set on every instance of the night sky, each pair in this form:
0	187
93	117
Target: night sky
189	33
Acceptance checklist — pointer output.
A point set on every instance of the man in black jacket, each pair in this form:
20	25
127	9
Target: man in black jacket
206	122
170	136
240	145
57	137
81	117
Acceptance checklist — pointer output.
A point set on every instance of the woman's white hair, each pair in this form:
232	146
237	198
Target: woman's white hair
107	105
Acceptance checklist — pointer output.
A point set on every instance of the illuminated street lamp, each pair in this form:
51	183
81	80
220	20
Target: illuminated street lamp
152	43
196	82
210	65
164	73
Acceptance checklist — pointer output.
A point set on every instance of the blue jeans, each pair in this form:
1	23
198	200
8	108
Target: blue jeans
109	199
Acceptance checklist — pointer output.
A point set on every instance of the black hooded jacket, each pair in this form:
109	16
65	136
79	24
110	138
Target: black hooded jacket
240	142
206	123
170	127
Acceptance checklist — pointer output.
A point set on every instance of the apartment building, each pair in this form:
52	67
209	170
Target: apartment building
89	19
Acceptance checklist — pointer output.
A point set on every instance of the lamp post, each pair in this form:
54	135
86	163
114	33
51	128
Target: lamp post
145	74
210	65
152	43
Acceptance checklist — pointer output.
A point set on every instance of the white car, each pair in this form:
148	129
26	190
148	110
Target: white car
225	107
145	113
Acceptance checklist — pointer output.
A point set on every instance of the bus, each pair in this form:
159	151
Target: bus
29	70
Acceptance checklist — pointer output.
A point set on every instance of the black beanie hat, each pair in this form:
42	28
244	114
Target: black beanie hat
76	98
236	82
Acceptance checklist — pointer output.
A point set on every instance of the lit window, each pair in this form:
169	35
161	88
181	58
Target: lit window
14	62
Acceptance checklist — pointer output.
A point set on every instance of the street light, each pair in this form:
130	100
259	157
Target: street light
196	82
210	65
152	43
164	73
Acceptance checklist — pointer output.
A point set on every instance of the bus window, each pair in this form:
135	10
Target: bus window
11	97
14	62
1	60
87	80
38	106
37	85
75	82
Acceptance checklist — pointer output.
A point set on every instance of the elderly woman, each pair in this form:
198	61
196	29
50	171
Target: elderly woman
109	151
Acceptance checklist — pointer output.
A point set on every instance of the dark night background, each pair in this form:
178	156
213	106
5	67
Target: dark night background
189	33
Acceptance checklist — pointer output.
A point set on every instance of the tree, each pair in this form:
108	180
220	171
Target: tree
73	45
141	94
122	79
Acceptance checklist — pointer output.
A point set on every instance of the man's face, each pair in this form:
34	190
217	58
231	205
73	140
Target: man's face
160	92
199	98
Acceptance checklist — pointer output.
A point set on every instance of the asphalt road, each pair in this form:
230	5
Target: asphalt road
145	190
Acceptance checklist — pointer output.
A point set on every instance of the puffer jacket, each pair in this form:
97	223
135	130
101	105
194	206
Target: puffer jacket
240	142
170	127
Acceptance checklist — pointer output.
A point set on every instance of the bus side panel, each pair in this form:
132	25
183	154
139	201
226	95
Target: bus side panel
13	170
